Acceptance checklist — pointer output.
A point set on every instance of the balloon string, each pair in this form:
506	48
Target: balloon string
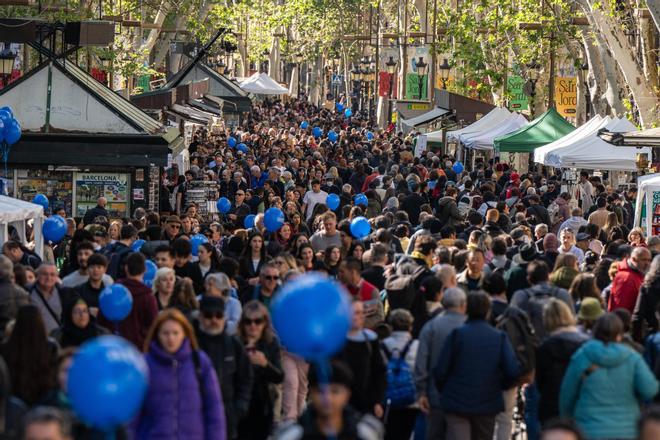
5	156
323	372
116	332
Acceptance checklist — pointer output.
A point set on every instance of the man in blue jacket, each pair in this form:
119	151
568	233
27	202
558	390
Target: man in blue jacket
476	364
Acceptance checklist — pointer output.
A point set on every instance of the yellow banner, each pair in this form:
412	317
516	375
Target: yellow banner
566	96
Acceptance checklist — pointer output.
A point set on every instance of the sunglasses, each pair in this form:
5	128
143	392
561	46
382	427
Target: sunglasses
211	315
256	321
271	277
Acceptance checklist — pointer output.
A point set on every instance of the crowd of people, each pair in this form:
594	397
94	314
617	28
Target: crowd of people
487	303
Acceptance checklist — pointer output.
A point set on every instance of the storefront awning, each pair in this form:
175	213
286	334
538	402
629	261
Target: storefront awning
547	128
426	118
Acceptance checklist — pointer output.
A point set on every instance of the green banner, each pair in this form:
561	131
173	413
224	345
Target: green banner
412	86
144	83
517	100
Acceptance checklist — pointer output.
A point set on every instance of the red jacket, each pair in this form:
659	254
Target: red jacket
625	287
135	326
365	291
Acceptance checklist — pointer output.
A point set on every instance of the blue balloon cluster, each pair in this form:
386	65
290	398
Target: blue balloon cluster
243	148
361	199
333	136
107	382
339	106
232	142
223	204
273	219
332	201
317	132
360	227
115	302
248	222
41	200
54	229
150	274
312	315
458	167
10	128
304	125
196	240
348	112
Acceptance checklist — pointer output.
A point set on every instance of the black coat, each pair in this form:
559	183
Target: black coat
644	321
552	359
234	371
91	214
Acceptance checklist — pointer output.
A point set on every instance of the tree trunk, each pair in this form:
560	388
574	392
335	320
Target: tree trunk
596	78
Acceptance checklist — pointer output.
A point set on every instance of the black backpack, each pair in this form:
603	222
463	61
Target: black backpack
500	270
116	256
516	324
401	288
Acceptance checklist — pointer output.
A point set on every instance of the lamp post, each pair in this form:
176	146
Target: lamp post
421	71
444	73
390	65
533	69
364	82
7	58
106	64
356	77
587	96
298	59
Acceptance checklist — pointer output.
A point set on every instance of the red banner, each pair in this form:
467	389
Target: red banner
384	84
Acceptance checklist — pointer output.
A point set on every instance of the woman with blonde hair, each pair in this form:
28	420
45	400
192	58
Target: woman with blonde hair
554	355
163	287
264	350
183	399
113	230
184	298
636	237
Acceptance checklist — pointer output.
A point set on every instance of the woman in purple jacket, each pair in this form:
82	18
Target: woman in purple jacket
183	400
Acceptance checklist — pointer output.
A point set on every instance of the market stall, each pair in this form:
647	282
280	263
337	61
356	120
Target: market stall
647	207
262	84
547	128
483	140
590	127
488	121
14	212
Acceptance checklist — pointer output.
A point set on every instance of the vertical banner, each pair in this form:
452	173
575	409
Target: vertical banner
517	98
566	96
384	77
412	78
384	82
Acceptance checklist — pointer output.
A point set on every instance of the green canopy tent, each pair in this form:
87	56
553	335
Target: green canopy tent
547	128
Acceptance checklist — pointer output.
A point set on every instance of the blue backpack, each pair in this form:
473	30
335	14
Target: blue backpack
400	390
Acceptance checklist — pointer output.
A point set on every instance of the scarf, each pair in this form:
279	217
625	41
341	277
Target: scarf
420	256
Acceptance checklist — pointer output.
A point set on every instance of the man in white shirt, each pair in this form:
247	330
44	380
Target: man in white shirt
586	192
74	279
312	198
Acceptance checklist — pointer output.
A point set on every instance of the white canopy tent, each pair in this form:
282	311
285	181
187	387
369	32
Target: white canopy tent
425	118
262	84
591	126
15	212
483	140
647	188
488	121
594	153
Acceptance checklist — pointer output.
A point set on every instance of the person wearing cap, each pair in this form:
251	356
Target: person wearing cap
229	358
172	229
590	310
329	413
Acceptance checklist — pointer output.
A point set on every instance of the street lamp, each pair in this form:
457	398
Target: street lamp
533	70
421	71
298	59
356	77
221	67
444	73
7	58
587	96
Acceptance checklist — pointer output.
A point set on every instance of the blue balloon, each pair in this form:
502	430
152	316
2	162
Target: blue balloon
150	274
2	130
42	200
107	382
348	112
6	116
212	164
8	110
243	148
116	302
333	136
304	125
317	132
231	141
249	221
223	204
312	315
12	133
360	227
458	167
137	245
54	229
361	199
273	219
339	106
196	240
370	136
332	201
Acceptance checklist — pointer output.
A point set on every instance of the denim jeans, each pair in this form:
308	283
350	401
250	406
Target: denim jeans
532	412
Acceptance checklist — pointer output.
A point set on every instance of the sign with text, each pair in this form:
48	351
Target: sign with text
113	186
517	98
412	86
566	96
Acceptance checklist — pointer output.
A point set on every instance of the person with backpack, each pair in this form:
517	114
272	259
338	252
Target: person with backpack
117	252
476	364
499	263
183	400
447	209
400	350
